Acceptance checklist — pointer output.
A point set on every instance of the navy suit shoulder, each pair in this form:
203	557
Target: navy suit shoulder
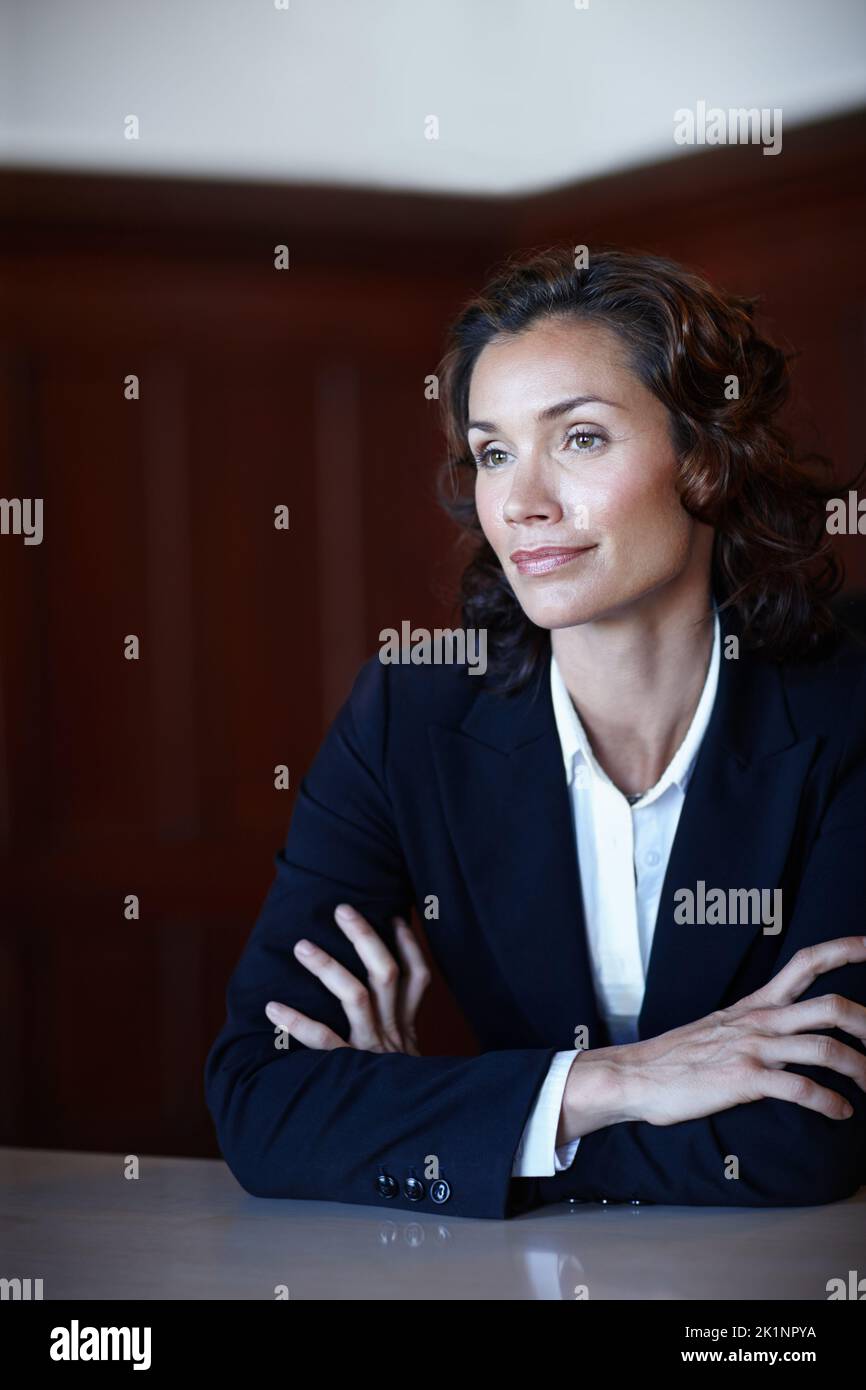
827	696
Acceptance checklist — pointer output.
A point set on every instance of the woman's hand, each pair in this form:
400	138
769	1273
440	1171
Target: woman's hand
730	1057
382	1016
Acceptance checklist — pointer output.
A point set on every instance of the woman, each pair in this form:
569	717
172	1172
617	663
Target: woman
638	840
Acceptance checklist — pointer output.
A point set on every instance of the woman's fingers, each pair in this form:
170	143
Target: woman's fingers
353	996
815	1050
789	1085
381	1016
415	978
803	969
306	1030
824	1011
383	971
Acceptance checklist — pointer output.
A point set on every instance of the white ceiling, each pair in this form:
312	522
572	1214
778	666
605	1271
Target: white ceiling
528	93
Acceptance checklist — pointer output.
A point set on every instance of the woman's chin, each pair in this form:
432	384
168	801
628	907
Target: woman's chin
556	615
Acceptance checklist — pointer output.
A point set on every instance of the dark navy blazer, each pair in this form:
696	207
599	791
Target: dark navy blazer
430	783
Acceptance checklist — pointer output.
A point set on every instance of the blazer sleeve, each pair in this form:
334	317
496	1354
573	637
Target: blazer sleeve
788	1156
316	1124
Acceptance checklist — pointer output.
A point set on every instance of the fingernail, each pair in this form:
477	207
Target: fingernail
303	947
274	1012
343	913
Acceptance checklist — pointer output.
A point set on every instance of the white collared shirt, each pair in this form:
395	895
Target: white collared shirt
623	853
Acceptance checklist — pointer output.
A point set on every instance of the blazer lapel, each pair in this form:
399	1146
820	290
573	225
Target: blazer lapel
734	831
506	800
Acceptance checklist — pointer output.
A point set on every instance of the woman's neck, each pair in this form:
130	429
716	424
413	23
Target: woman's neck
636	679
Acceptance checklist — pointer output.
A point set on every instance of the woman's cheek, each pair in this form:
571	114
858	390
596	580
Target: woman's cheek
490	506
656	538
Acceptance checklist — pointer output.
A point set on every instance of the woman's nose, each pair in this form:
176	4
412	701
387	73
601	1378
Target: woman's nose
531	496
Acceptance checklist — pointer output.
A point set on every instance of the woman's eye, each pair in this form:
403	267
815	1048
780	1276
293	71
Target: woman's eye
584	440
487	457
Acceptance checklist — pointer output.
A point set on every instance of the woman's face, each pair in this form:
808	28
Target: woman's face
576	490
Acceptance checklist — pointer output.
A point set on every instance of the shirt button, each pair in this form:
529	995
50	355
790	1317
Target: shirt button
653	857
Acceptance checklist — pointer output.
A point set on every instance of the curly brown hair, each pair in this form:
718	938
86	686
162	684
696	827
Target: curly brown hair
773	561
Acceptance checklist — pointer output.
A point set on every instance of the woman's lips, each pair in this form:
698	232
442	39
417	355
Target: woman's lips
546	558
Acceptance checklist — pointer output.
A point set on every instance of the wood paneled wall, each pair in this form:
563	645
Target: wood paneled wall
261	388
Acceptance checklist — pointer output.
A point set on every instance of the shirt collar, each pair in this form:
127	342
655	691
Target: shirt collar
577	748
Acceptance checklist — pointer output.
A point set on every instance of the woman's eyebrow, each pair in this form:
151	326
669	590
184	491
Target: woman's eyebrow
550	412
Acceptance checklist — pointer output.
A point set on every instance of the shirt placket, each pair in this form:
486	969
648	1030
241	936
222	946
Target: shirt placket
620	966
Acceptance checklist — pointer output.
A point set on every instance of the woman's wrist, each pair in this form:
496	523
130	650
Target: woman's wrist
595	1096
